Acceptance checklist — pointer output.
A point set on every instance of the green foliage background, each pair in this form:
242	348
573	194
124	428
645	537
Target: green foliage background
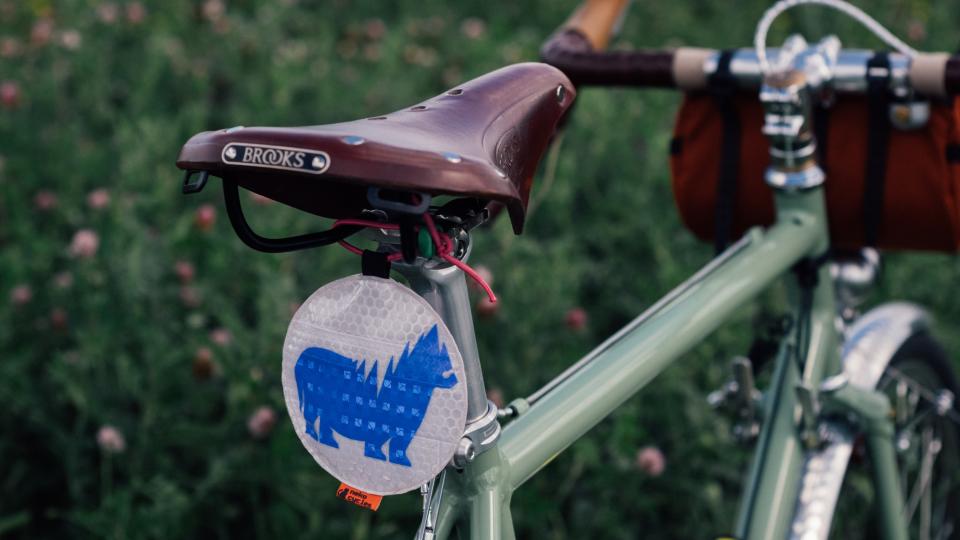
112	111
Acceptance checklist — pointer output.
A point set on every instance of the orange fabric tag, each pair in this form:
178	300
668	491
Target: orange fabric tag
359	498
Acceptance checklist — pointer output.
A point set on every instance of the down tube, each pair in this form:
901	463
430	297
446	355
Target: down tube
567	412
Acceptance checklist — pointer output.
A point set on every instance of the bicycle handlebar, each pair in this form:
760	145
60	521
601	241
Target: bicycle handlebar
577	49
570	51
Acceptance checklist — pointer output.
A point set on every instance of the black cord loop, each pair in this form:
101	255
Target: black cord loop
231	199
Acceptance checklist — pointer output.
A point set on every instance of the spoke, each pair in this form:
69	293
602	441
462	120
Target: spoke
932	397
946	530
915	421
903	409
925	504
931	447
919	401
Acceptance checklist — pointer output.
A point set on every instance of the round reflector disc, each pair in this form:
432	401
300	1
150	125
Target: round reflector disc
374	384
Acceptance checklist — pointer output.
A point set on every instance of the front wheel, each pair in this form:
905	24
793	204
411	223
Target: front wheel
921	385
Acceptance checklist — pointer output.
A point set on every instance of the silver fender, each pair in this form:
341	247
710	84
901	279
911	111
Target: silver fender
869	346
871	342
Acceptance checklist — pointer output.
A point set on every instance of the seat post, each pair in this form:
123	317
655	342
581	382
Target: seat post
445	289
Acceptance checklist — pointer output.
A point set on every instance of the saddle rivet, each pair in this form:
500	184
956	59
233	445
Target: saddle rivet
561	93
318	162
455	92
419	108
354	140
230	152
501	174
452	157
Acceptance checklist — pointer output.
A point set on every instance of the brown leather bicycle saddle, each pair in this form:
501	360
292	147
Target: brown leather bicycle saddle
482	139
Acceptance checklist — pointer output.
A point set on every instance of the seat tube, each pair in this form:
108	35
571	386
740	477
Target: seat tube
444	287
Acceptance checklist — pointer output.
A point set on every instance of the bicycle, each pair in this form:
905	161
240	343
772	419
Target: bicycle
836	376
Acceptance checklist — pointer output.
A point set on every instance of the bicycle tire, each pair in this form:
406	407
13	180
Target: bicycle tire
923	360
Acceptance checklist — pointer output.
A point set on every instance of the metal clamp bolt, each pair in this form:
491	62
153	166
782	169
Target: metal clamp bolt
465	453
480	435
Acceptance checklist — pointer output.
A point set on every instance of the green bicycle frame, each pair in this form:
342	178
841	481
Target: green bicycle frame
481	491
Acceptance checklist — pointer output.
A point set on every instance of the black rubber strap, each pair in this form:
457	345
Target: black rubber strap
878	139
821	130
723	87
408	240
374	263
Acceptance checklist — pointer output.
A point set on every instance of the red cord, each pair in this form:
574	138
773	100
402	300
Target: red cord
443	245
366	223
444	248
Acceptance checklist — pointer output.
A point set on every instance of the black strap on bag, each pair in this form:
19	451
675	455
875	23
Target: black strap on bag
953	153
821	130
723	87
878	140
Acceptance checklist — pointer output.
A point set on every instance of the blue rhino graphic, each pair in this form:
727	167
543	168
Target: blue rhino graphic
335	395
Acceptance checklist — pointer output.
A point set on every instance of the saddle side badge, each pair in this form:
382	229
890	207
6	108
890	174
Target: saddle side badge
276	157
374	384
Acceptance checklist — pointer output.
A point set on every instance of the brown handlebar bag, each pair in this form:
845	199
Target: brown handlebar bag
918	207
